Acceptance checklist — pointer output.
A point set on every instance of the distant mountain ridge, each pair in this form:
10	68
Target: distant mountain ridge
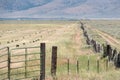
59	8
13	5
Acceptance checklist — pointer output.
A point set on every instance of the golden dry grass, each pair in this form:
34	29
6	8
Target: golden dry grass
69	39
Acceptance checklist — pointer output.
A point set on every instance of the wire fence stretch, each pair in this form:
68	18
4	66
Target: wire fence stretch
29	62
108	51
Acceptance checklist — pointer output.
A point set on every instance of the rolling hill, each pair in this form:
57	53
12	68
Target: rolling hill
59	8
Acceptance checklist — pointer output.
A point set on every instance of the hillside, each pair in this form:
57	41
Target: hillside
60	8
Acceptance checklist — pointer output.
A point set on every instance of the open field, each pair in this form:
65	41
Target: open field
68	37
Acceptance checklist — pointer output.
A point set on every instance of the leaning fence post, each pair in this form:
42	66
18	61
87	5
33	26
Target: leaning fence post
42	61
25	62
9	60
54	61
68	66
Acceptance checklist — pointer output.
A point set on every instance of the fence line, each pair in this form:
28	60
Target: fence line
107	50
69	68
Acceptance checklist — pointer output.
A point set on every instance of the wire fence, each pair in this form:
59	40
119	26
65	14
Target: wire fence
29	63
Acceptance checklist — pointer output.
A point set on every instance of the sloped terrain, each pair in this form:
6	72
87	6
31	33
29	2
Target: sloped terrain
60	8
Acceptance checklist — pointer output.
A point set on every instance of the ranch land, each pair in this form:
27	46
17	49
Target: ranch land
76	60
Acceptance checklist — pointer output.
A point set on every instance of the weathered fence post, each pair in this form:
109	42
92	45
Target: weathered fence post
106	64
25	62
54	61
42	61
117	61
99	48
77	66
82	27
114	53
68	65
88	64
9	61
98	66
109	52
95	46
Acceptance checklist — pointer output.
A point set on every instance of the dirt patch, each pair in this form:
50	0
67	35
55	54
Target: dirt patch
108	38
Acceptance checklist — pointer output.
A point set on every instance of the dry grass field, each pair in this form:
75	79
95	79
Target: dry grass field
68	37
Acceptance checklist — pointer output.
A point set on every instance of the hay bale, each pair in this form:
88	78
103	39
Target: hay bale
8	42
12	41
17	45
23	43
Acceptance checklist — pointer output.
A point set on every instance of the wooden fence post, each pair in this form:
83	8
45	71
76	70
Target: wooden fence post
9	61
109	52
77	66
42	61
98	66
95	46
114	53
99	48
106	64
88	64
25	62
68	66
54	61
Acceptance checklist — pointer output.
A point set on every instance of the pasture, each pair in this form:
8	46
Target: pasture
68	37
